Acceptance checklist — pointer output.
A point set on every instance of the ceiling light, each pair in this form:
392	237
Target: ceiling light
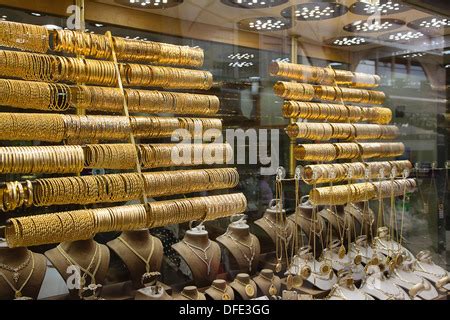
414	55
253	4
383	7
315	11
374	26
264	24
99	25
150	4
402	36
430	24
348	41
36	14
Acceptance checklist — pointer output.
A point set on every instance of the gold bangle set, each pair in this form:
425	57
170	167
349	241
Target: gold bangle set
24	36
111	99
308	92
162	155
99	47
73	159
333	151
41	159
84	224
328	76
58	127
113	187
339	172
336	112
345	131
35	95
342	194
51	68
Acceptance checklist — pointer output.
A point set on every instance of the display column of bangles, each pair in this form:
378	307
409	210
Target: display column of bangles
361	181
58	83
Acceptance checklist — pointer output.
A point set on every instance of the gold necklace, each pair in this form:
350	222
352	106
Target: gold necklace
248	246
249	289
188	297
15	270
93	286
204	251
272	289
283	231
225	295
147	275
18	292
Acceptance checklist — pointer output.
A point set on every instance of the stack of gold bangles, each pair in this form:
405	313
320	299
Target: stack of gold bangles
333	151
345	131
42	67
99	47
84	224
24	36
336	112
58	127
308	92
338	172
304	73
72	159
113	187
342	194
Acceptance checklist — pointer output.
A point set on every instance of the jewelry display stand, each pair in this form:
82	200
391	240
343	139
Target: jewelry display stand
380	287
89	256
426	268
200	254
415	285
189	293
361	249
268	283
220	290
140	252
21	273
321	275
152	293
244	286
243	246
345	289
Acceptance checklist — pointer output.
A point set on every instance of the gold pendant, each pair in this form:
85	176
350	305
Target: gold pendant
297	282
18	294
226	296
289	282
357	260
399	259
305	272
375	261
342	252
249	290
325	269
272	290
278	267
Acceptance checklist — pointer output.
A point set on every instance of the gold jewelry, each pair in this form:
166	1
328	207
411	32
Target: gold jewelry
204	259
249	289
18	291
225	295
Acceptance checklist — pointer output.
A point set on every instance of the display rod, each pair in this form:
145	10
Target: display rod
79	17
292	143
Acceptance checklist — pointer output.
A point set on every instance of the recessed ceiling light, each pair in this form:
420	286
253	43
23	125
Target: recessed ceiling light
402	36
99	25
315	11
374	26
264	24
430	24
349	41
414	55
36	14
150	4
253	4
383	7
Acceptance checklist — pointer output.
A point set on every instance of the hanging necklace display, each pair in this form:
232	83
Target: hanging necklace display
250	247
203	255
281	245
248	287
380	287
272	289
425	267
16	274
345	288
91	290
148	276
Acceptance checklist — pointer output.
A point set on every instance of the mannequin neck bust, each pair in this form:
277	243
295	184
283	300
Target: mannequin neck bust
13	256
239	230
243	277
267	273
141	235
305	210
197	237
219	283
78	249
192	293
